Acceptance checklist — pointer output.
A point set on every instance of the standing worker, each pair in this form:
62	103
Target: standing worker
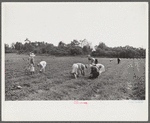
119	60
31	62
32	69
31	58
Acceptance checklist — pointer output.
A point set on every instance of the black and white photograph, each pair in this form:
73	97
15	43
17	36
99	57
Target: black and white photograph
71	57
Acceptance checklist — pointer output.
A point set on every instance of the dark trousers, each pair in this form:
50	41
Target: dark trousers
118	61
94	75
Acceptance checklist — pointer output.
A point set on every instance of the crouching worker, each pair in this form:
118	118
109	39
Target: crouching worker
78	68
94	72
42	66
101	68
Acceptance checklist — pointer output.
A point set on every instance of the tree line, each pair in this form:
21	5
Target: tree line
74	48
121	52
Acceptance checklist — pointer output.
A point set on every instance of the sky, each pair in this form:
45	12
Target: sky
115	24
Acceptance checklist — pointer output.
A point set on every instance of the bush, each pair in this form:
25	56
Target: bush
75	51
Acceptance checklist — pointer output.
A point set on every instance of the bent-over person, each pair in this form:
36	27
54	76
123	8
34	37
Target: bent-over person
42	66
78	68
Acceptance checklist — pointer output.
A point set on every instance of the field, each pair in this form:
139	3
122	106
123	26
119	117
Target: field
124	81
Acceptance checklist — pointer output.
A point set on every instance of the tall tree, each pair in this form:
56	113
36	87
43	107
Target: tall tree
75	43
61	44
18	46
102	46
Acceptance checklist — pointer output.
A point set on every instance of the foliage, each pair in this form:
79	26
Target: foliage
76	47
123	52
75	43
86	49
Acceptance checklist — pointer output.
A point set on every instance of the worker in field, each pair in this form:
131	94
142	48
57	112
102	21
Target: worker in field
111	60
91	59
30	64
78	68
32	70
101	68
31	58
118	60
96	70
42	66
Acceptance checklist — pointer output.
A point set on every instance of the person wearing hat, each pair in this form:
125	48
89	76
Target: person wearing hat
31	62
42	66
31	58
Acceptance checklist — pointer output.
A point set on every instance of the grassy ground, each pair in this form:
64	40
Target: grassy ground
120	81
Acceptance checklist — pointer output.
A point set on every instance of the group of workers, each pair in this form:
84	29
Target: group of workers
41	64
77	68
96	68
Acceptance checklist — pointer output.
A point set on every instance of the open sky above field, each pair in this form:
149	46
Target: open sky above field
115	24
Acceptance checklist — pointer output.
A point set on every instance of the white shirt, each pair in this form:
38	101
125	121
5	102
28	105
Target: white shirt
43	63
100	67
77	67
